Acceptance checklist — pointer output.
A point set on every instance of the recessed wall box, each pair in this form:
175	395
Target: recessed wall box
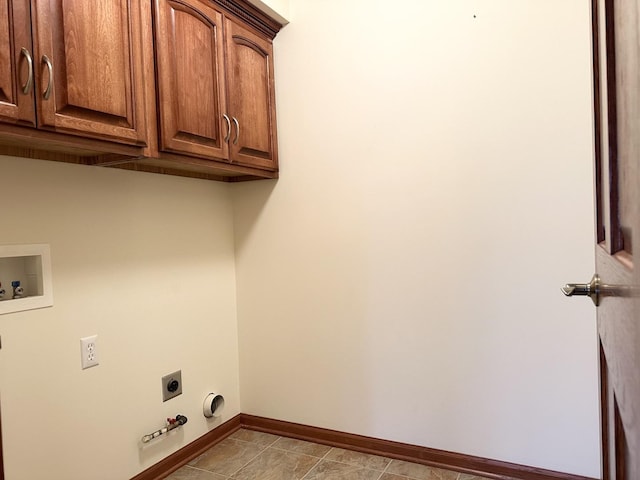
25	277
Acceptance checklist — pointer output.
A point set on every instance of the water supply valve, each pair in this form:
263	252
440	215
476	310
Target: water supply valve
170	425
2	291
18	291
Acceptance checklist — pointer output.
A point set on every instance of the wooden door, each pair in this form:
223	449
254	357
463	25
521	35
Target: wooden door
251	96
16	83
92	85
189	59
616	35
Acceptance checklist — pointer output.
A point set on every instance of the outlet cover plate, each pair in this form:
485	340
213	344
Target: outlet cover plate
169	387
89	351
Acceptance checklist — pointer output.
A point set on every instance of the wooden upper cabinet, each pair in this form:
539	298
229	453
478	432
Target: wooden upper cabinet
189	58
182	87
89	63
214	86
251	97
16	54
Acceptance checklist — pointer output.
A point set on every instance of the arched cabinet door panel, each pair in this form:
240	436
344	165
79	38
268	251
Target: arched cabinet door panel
16	64
88	59
251	97
189	59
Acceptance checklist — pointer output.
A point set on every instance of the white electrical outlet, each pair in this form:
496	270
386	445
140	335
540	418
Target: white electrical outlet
89	351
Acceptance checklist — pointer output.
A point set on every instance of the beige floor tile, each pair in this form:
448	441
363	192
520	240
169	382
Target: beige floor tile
259	438
189	473
275	464
372	462
328	470
420	472
227	457
252	455
299	446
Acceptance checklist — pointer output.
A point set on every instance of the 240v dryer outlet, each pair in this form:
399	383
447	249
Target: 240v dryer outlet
171	385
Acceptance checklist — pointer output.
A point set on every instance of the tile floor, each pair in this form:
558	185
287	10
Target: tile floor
249	455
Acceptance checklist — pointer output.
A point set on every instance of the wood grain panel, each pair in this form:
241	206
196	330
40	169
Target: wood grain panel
99	81
606	128
627	72
15	34
96	51
189	55
253	103
32	143
203	168
606	393
615	30
7	90
251	97
598	120
618	327
198	105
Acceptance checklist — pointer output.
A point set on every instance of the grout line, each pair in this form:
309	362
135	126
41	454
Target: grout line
253	458
385	469
287	450
316	464
348	464
203	470
274	442
280	449
278	437
342	462
408	477
263	449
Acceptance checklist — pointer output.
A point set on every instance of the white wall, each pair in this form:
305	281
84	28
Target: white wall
144	261
278	9
401	279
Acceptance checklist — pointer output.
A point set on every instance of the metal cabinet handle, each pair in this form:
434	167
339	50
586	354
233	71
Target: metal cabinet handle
235	140
591	289
27	86
47	62
226	139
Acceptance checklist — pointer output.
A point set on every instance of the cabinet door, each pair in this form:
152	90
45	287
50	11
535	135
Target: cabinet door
189	57
93	83
251	97
16	90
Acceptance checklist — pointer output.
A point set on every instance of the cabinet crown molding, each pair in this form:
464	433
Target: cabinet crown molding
251	15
